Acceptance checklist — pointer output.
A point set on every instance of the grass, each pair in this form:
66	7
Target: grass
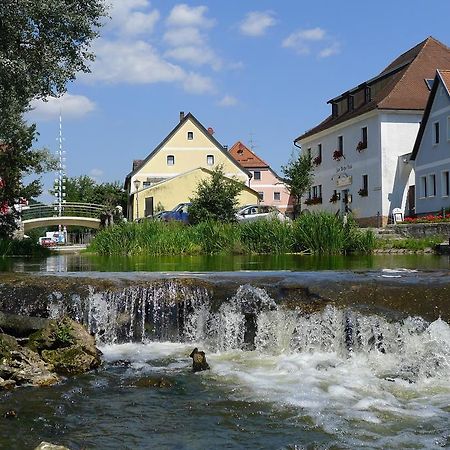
410	244
321	233
23	247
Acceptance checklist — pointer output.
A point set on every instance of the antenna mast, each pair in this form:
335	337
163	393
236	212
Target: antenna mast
60	181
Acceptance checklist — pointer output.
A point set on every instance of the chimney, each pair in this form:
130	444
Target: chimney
181	116
211	131
225	147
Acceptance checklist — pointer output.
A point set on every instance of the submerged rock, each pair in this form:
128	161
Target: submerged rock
146	382
67	346
198	361
48	446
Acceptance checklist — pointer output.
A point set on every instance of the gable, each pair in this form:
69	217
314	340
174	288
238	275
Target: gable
188	146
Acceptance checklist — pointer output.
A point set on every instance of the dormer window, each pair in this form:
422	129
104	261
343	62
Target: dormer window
350	103
334	109
190	135
429	82
367	94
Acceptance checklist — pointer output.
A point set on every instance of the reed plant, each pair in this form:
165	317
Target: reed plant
321	233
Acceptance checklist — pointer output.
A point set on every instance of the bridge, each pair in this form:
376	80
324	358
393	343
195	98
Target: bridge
78	214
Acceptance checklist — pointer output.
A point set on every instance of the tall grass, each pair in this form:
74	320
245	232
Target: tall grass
321	233
21	247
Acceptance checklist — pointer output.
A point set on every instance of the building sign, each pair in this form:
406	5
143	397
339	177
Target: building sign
344	168
343	181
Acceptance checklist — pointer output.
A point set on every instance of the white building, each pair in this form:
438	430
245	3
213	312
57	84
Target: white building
431	153
362	149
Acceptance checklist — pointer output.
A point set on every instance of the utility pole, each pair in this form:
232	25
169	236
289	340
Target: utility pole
60	180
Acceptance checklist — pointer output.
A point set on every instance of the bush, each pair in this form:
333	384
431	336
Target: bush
24	247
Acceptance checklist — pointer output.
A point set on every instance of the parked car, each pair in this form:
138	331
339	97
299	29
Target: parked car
250	213
46	242
179	213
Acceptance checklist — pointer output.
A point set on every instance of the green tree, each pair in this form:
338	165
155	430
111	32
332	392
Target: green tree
43	44
299	177
215	198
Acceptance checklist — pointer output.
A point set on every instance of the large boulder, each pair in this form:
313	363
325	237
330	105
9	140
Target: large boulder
48	446
22	366
67	346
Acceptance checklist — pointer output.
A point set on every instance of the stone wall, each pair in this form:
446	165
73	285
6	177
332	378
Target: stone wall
420	230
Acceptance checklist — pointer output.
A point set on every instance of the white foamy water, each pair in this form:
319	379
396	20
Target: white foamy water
394	395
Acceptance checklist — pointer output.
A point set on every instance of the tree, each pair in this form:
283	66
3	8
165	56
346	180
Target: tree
299	176
215	198
43	44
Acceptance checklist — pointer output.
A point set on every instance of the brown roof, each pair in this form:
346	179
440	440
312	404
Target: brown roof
442	76
404	79
245	157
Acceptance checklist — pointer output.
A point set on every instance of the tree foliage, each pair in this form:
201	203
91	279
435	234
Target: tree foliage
86	190
215	198
43	44
299	176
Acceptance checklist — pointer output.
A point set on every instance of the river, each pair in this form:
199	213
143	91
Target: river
288	371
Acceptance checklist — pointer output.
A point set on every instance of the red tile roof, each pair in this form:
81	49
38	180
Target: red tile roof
245	157
404	83
445	77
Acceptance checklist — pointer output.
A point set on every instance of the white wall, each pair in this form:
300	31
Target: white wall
398	134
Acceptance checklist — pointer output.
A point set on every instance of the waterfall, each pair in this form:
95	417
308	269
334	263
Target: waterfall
251	320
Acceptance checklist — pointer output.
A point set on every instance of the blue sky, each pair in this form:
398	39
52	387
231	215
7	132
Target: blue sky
258	71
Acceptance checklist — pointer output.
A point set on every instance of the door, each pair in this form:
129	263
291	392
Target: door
411	202
148	207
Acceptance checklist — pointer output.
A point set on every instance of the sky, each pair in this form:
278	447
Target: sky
258	71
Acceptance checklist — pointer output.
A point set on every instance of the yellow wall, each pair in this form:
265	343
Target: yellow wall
189	154
178	190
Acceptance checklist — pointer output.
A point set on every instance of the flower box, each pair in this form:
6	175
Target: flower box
334	198
363	192
338	155
361	146
317	160
313	201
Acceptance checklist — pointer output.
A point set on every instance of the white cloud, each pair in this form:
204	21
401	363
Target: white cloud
333	49
70	106
256	23
227	101
96	173
198	84
183	15
126	20
305	42
131	62
196	56
184	36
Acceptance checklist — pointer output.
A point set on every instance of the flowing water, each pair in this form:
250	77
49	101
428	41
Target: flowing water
333	378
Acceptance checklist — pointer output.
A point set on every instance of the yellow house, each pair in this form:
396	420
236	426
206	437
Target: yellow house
171	172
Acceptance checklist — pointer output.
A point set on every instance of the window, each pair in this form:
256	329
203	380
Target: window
341	144
317	191
423	187
432	185
277	196
334	109
365	182
190	135
364	135
367	94
448	128
257	175
170	160
146	184
445	183
261	196
210	160
436	133
350	103
319	151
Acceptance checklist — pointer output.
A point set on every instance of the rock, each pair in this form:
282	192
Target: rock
67	346
11	414
27	367
21	326
7	345
198	361
146	382
7	384
48	446
71	360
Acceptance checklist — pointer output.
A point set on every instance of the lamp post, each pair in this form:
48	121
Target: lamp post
137	184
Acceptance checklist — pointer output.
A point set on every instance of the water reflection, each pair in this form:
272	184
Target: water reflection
220	263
